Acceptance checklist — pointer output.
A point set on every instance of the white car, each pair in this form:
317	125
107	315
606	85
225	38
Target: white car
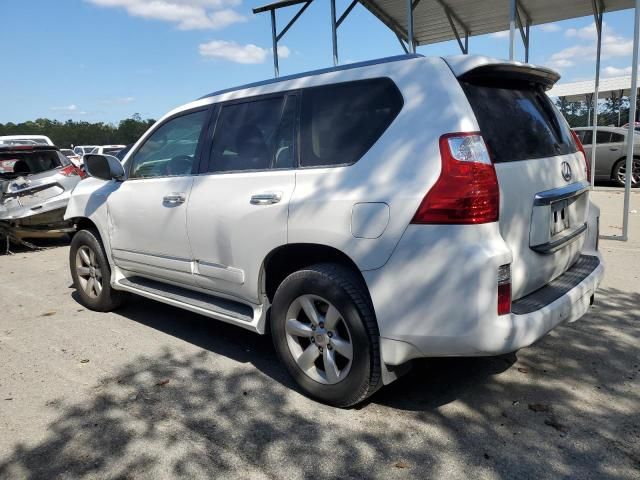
367	215
82	150
25	140
108	149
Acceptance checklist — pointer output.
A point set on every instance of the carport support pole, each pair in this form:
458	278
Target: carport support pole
632	122
334	33
274	40
597	12
412	43
512	29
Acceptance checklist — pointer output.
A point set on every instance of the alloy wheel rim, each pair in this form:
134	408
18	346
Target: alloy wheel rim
319	339
635	173
89	273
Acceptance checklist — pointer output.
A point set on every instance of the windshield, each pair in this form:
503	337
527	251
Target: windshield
16	164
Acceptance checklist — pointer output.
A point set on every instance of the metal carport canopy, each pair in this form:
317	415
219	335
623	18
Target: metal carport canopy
477	17
576	91
472	17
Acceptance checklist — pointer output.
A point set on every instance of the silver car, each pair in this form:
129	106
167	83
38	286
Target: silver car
35	184
611	153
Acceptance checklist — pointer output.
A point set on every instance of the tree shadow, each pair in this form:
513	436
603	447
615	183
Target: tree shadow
565	407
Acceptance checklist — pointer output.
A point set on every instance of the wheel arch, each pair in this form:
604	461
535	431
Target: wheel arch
286	259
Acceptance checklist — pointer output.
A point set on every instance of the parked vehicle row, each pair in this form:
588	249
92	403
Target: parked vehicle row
368	215
25	140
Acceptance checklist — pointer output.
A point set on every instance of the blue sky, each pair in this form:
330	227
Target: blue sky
103	60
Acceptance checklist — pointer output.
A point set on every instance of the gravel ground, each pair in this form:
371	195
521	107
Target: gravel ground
154	392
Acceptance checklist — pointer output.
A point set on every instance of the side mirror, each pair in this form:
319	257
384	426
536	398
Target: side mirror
104	167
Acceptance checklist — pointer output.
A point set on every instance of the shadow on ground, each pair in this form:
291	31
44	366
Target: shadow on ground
566	407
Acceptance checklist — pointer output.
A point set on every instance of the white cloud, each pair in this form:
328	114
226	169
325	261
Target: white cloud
69	110
283	51
119	101
235	52
186	14
615	71
613	45
503	34
550	27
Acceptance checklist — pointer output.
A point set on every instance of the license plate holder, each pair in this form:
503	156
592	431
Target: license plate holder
559	217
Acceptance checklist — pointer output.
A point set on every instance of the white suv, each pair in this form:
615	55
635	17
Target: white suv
367	215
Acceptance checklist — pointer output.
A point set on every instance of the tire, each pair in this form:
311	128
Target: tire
93	261
618	177
350	329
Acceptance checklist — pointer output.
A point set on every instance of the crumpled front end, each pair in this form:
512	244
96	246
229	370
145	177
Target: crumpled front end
33	209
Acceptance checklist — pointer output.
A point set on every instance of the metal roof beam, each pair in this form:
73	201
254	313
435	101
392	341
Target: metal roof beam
293	20
524	28
385	18
346	12
277	5
453	19
275	36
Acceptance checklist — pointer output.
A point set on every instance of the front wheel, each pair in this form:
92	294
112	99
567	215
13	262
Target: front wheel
91	273
325	333
620	172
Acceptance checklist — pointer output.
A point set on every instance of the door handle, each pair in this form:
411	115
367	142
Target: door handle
174	198
266	198
613	149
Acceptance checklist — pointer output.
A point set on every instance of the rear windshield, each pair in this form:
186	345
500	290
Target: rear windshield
15	164
518	121
111	150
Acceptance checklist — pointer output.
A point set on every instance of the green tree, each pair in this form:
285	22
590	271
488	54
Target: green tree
65	134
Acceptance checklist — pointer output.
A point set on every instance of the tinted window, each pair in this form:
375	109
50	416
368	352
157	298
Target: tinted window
603	137
617	138
518	121
341	122
19	163
171	148
255	135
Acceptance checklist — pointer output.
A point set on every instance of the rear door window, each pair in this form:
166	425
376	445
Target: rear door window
603	137
518	120
254	135
341	122
617	138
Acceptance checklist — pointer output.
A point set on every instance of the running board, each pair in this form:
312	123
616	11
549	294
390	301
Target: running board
211	306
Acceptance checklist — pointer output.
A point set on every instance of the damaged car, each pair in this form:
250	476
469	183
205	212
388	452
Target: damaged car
35	184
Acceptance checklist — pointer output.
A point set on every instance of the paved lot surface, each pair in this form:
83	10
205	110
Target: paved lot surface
155	392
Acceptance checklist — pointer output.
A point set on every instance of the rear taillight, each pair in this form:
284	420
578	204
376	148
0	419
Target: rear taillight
71	170
504	289
587	165
467	190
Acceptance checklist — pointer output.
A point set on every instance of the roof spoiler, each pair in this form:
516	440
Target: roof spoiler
484	68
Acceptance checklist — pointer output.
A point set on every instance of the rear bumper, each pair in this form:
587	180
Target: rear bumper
430	302
495	335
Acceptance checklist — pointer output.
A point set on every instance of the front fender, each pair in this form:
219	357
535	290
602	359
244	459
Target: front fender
89	200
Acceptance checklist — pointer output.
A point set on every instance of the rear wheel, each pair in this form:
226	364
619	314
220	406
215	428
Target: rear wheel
620	172
91	273
325	333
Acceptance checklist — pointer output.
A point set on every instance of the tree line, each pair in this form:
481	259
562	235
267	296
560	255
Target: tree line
65	134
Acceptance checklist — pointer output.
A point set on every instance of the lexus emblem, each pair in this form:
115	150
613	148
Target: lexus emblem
566	171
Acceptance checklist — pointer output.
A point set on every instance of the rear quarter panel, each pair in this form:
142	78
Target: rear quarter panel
398	170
